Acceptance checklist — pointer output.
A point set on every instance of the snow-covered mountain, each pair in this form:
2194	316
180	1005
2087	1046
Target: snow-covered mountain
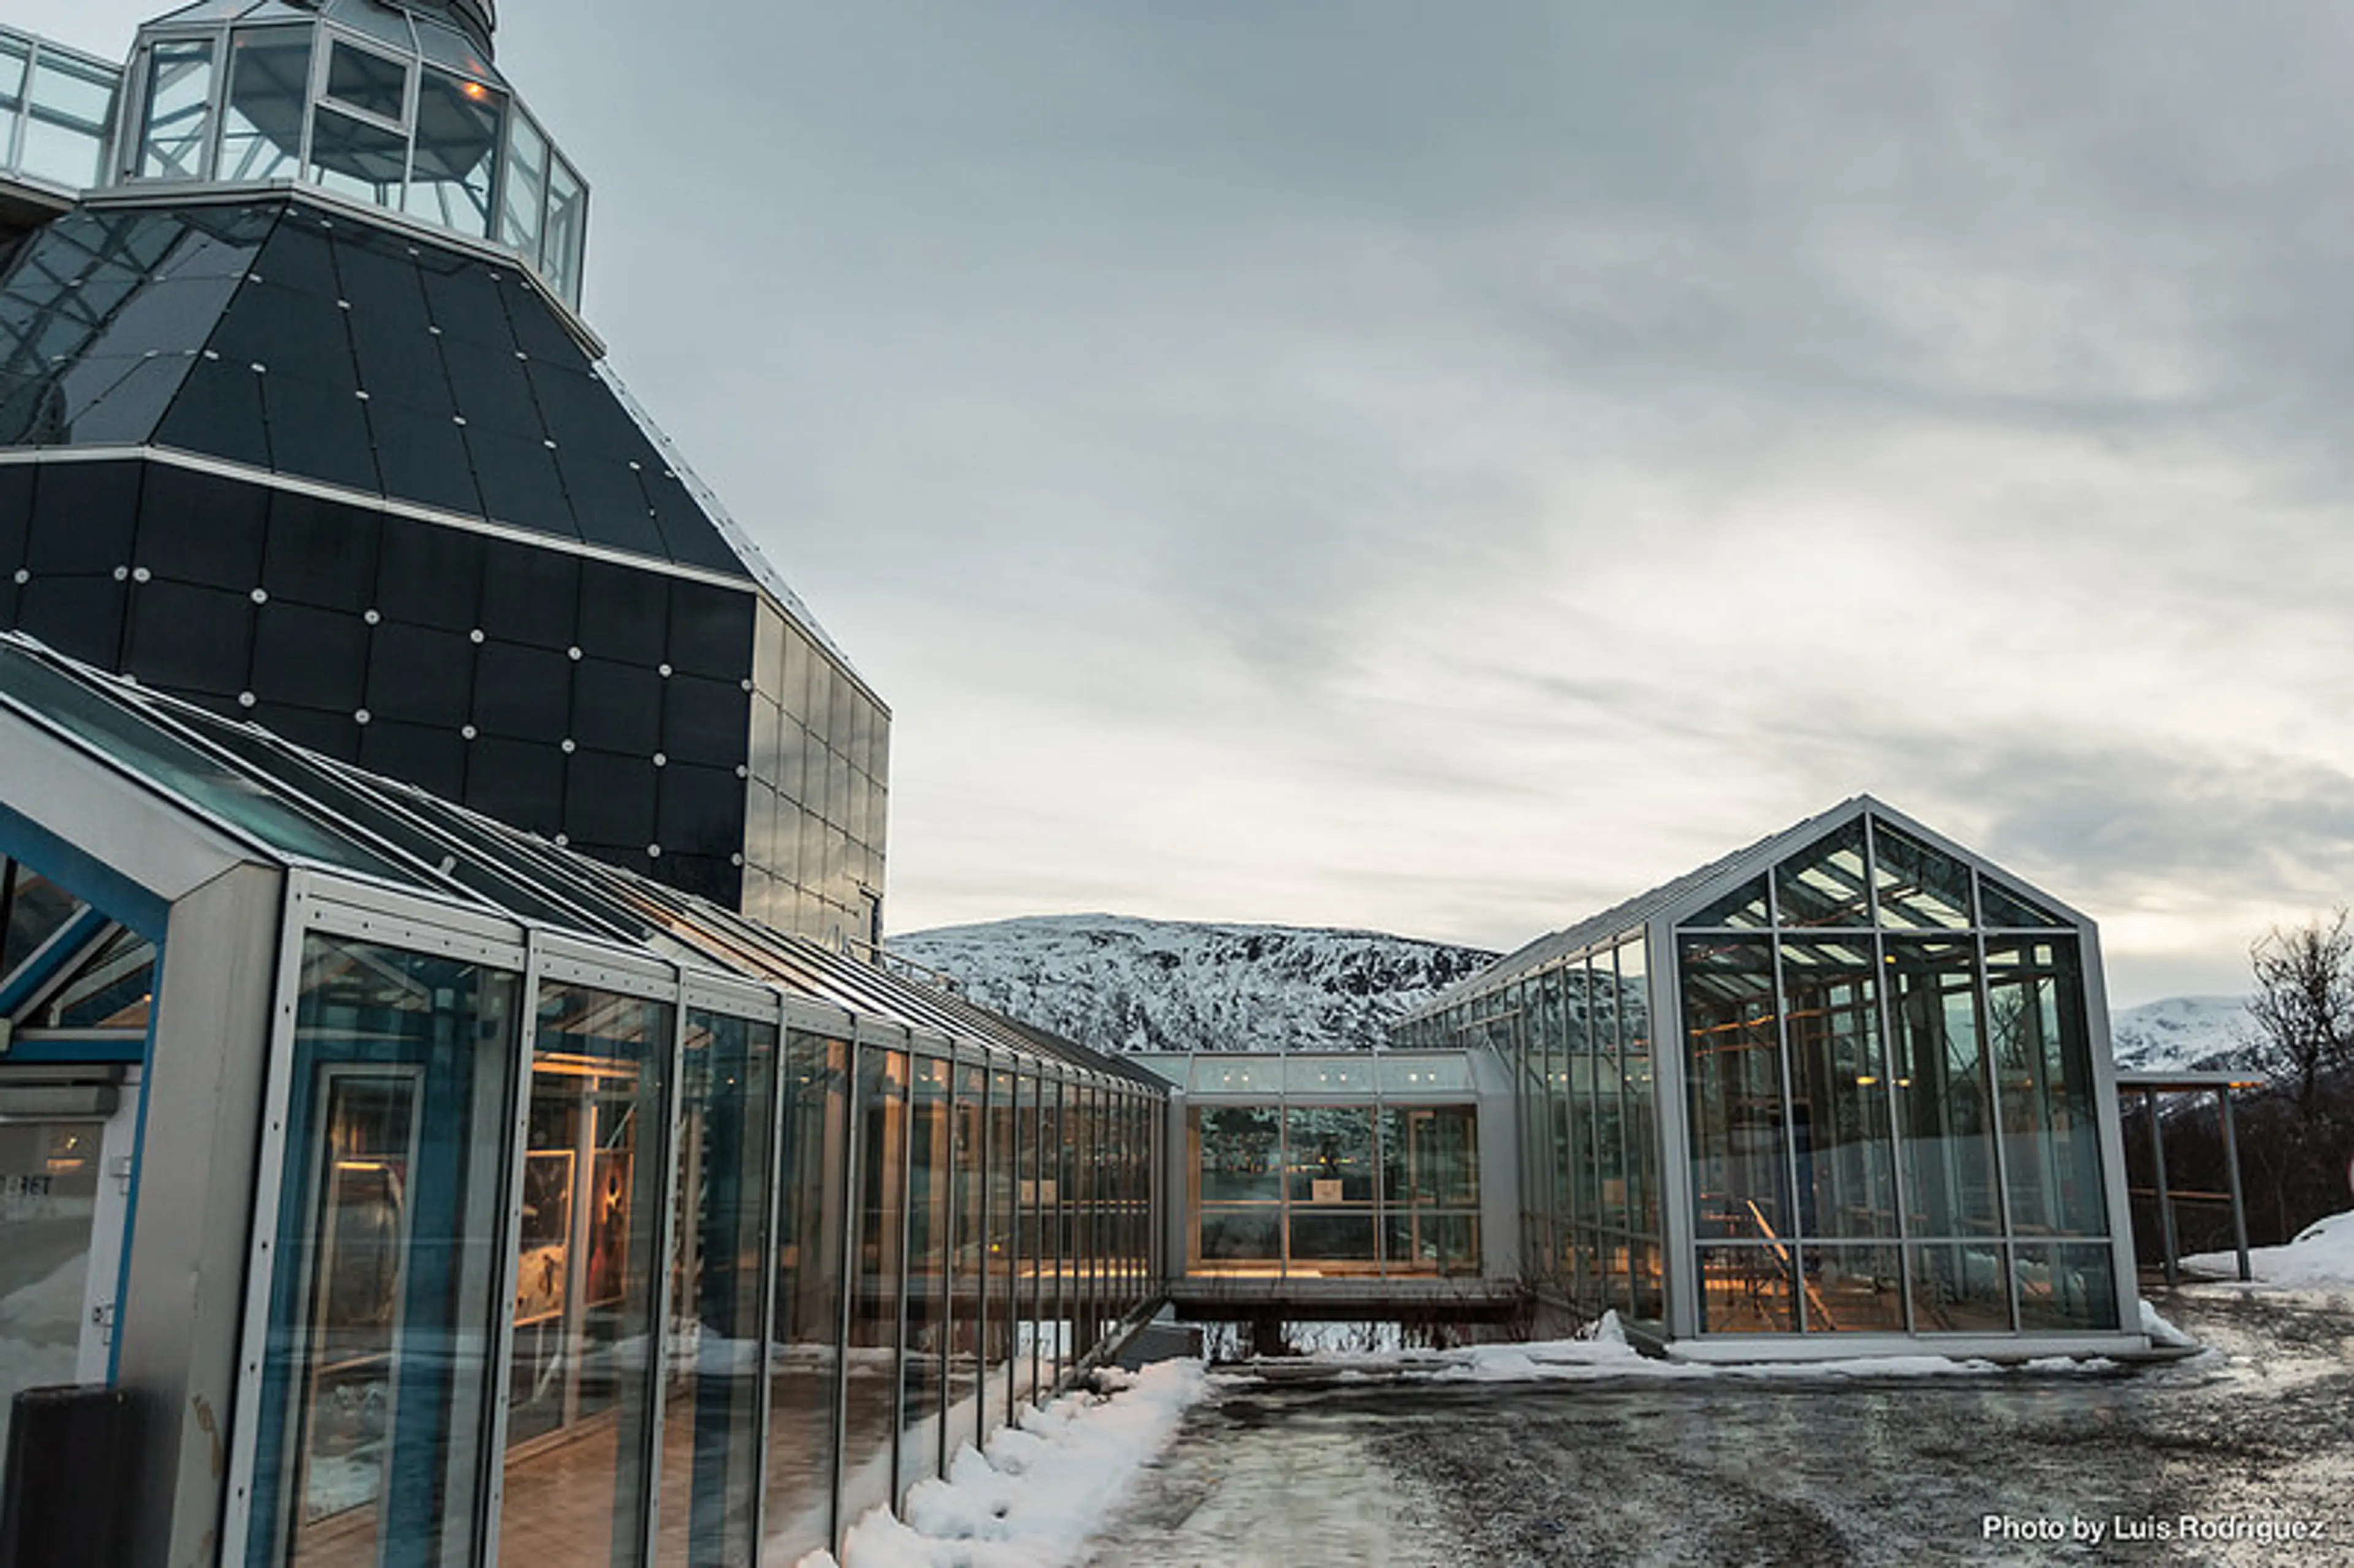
2182	1033
1124	984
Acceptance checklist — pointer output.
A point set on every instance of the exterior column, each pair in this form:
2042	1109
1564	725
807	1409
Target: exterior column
2165	1197
2231	1168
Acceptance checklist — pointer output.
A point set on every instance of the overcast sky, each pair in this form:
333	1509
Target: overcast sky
1446	469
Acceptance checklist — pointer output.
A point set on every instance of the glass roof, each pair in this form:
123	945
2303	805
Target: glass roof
397	105
299	807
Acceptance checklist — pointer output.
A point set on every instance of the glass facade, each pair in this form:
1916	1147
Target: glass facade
601	1225
386	106
1881	1113
56	105
1347	1167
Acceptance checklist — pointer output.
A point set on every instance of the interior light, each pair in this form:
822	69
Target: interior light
477	92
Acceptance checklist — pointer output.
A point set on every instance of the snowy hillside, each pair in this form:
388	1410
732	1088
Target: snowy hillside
1122	984
2181	1032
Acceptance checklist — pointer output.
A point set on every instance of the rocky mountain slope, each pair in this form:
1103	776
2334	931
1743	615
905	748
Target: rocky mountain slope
1125	984
2182	1034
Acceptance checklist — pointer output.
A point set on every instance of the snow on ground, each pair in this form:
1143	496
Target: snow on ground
1604	1352
2321	1253
1038	1491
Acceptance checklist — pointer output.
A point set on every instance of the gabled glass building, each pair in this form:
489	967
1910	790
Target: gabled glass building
1846	1087
299	420
439	1195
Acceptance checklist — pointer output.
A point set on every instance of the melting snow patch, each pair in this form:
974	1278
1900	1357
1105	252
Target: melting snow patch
2322	1254
2162	1333
1032	1497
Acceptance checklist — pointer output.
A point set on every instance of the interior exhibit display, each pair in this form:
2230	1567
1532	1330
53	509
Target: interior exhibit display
513	1207
299	420
1853	1081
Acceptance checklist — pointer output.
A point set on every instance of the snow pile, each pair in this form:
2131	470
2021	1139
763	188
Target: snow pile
1034	1497
2182	1033
1122	984
2321	1255
2162	1333
1603	1353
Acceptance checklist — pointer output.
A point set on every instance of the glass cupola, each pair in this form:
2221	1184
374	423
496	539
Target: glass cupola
396	104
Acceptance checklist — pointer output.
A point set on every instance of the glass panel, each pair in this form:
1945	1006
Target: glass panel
269	78
1214	1075
1007	1235
1919	888
1944	1131
968	1281
1847	1184
1635	1089
382	1308
179	110
2064	1290
526	185
367	82
37	910
1959	1288
711	1412
456	153
2003	908
1854	1289
871	1378
1422	1242
923	1359
13	57
1734	1062
357	158
1323	1076
1238	1152
1747	1290
579	1395
1823	884
1247	1236
1319	1239
1745	907
1431	1157
113	989
65	119
48	1202
1406	1072
568	232
2043	1075
1329	1155
812	1207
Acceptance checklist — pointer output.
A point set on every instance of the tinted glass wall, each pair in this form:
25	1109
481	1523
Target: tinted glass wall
843	1259
1892	1118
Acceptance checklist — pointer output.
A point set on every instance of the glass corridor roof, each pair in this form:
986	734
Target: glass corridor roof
301	808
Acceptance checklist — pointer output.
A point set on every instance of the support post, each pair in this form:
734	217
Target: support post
2231	1168
2165	1197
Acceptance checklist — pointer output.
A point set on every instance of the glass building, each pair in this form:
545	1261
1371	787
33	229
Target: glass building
1317	1172
299	420
440	1195
1851	1084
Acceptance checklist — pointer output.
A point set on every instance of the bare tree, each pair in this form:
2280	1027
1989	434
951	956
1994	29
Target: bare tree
2304	1008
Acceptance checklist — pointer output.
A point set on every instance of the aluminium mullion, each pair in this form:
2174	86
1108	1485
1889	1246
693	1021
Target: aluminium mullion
987	1215
510	1254
270	1178
845	1278
1790	1111
1887	1017
765	1312
905	1277
660	1304
1982	1006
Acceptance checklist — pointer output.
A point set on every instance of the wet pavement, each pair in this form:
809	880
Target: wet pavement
2254	1438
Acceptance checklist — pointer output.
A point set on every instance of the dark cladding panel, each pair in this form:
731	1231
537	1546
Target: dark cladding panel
606	504
519	482
518	782
430	575
202	528
462	298
291	333
490	388
711	629
77	616
127	416
705	721
299	257
189	640
618	708
420	674
624	612
320	552
421	454
701	812
432	759
707	876
334	735
609	798
83	517
218	413
522	692
531	595
15	514
311	658
319	431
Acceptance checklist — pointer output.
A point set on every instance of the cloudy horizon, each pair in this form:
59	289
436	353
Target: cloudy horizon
1356	465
